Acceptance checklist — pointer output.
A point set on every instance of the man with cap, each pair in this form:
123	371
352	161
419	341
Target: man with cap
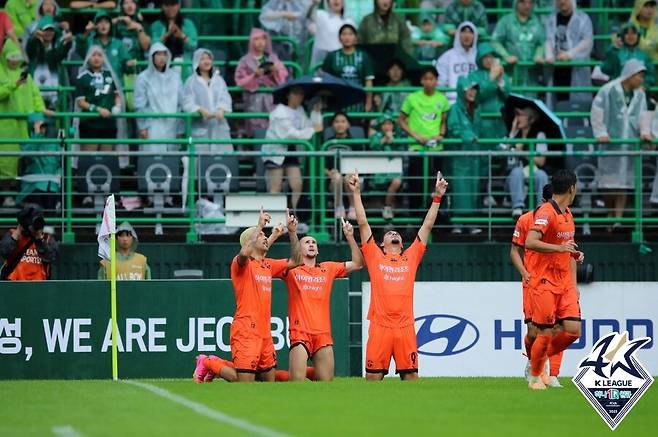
131	266
616	111
252	347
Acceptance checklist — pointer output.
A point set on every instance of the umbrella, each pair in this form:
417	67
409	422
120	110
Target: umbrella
337	93
381	56
548	122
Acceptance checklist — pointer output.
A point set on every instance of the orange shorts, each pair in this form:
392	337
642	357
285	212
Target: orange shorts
251	352
384	343
550	305
311	342
527	307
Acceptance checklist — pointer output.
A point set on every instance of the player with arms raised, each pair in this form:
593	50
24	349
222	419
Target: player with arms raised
392	272
309	294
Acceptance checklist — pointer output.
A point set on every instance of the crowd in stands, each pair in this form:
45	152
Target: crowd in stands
477	58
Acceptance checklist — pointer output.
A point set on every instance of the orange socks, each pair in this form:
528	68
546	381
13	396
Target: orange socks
281	375
555	362
560	342
215	364
538	355
310	373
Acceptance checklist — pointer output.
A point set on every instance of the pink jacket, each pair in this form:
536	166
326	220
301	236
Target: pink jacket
245	73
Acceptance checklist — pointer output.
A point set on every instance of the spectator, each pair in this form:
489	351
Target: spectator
177	33
340	125
131	266
493	89
286	18
460	60
99	33
524	127
466	10
358	9
28	251
391	101
328	22
428	39
158	89
383	140
206	92
568	38
47	8
289	121
46	53
213	24
351	63
18	93
97	90
615	114
519	37
41	180
7	29
130	28
464	123
259	68
644	16
22	13
649	130
384	26
423	118
616	57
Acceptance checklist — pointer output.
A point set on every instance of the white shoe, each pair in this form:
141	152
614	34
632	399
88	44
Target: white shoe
387	213
553	382
9	202
536	383
475	231
489	201
456	230
517	212
527	371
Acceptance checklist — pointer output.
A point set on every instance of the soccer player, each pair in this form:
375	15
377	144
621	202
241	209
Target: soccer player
392	272
309	294
252	347
553	293
521	259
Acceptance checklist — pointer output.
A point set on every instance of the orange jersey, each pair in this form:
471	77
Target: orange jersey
392	278
252	285
309	296
557	227
523	225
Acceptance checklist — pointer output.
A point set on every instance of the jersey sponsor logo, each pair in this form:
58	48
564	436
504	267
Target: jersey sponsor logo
391	269
309	278
429	116
516	233
31	256
611	377
444	334
541	221
566	235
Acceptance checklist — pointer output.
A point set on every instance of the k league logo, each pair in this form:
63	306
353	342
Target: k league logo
612	379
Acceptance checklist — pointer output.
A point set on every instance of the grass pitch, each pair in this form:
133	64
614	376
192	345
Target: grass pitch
347	406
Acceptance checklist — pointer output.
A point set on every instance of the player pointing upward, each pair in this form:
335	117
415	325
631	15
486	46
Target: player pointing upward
392	271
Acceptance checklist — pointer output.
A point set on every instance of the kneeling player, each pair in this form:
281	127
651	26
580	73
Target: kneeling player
309	297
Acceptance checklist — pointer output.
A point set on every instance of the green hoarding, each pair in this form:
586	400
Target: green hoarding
61	329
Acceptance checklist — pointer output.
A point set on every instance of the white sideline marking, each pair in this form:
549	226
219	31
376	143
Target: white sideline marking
65	431
206	411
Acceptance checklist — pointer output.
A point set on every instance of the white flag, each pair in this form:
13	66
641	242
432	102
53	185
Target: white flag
108	227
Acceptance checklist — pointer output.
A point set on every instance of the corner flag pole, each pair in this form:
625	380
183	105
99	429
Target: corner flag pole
113	298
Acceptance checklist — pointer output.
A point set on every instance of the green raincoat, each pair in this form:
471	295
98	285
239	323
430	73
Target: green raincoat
525	40
615	58
42	173
475	12
649	35
130	38
38	54
380	179
465	172
24	99
491	94
389	30
21	15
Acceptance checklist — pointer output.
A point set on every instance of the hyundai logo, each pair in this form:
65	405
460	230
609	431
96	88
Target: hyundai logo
442	335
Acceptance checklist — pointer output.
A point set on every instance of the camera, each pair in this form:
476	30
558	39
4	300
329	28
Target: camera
266	66
31	219
24	73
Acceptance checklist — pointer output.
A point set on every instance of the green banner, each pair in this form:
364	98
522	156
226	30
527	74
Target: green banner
62	330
